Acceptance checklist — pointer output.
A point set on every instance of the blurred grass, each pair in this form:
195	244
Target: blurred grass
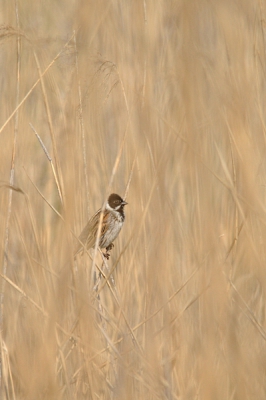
184	84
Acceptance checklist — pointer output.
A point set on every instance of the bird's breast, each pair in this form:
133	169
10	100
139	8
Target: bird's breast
114	227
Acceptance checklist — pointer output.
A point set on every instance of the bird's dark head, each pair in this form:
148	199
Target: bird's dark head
116	202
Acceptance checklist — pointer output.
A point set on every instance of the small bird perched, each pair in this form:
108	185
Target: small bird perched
112	222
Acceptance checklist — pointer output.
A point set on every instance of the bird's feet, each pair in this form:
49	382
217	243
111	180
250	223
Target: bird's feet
108	249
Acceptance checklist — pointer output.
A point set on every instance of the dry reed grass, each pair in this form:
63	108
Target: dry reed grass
177	90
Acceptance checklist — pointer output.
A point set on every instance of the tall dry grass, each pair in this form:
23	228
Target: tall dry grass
174	92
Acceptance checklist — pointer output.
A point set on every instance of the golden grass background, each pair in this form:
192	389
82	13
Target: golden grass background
175	91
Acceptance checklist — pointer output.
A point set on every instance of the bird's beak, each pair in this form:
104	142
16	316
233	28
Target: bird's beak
124	203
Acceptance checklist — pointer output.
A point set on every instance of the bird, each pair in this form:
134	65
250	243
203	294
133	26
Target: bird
112	222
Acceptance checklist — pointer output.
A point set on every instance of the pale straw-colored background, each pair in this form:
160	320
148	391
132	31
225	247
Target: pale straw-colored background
171	94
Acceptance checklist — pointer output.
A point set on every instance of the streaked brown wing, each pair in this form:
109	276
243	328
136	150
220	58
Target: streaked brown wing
89	233
104	224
